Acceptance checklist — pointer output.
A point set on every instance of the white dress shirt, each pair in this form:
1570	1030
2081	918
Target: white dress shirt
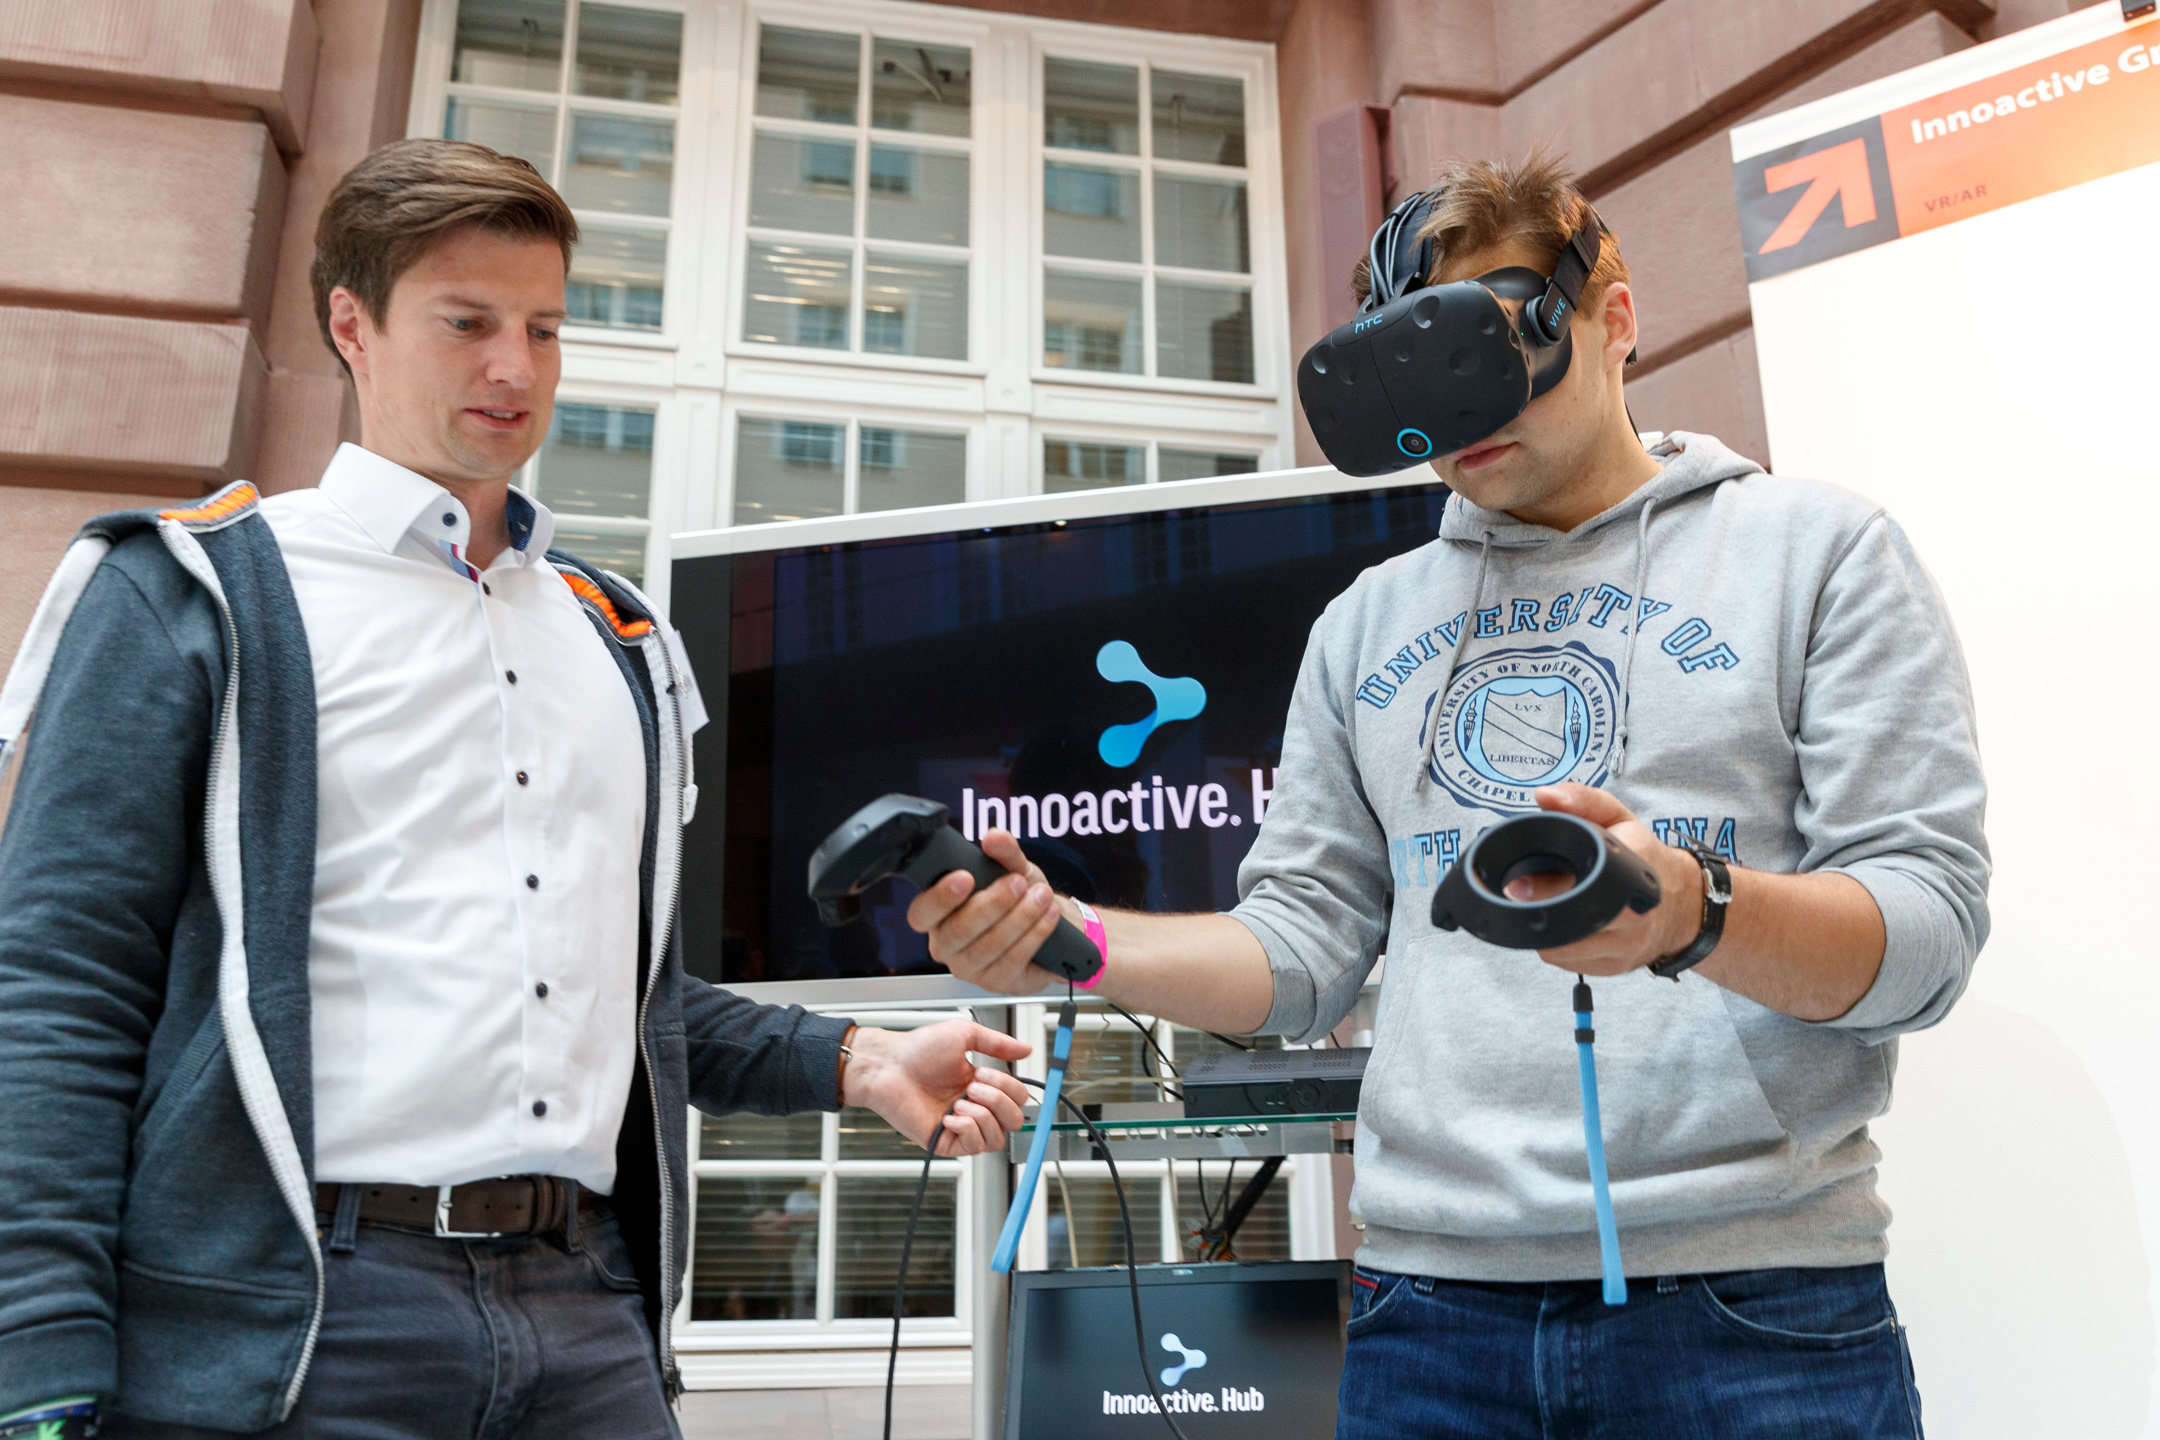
473	963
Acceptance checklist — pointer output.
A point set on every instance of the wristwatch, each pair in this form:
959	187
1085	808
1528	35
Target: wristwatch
1716	895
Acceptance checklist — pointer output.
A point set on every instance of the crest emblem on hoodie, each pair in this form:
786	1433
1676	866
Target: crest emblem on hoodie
1517	719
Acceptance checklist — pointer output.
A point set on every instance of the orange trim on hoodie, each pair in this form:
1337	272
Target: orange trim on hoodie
592	594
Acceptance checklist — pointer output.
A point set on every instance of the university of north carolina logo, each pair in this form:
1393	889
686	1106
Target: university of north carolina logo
1518	719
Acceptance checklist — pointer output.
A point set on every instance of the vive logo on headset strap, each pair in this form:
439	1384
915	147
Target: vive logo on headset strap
1194	1360
1181	698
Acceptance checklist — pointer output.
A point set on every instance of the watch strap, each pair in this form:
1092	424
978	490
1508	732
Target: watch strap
1717	895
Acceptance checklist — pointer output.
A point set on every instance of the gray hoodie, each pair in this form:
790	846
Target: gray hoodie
1761	662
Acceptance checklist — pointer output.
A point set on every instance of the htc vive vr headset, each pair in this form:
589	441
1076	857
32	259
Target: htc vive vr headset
1426	371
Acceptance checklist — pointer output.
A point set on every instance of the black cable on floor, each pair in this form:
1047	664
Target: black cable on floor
907	1246
1132	1263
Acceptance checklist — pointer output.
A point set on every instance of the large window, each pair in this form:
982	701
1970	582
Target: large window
861	158
1146	228
588	93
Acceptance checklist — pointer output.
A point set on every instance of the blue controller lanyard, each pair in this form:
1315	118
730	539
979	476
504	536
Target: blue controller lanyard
1608	1233
1008	1246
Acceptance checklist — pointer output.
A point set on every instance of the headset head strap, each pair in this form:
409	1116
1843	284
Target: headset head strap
1547	317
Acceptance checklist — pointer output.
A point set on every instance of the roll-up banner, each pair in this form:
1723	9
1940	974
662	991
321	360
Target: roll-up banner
1952	273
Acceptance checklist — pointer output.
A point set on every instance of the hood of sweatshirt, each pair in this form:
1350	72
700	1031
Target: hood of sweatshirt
1686	463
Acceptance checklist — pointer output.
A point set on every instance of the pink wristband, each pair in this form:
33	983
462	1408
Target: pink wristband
1092	924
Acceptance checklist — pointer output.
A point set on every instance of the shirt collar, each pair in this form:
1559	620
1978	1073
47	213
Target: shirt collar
389	501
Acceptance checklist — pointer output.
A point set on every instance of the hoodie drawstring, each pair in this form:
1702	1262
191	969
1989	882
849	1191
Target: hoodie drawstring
1627	668
1462	641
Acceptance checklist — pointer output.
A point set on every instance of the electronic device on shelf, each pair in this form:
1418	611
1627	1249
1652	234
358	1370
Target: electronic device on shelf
1273	1082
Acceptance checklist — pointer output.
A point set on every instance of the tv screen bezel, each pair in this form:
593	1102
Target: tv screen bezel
900	992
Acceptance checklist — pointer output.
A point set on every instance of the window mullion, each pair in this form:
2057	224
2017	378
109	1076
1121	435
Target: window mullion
828	1263
851	468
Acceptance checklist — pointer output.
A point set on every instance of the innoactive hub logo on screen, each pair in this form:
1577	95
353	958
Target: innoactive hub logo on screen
1182	698
1229	1399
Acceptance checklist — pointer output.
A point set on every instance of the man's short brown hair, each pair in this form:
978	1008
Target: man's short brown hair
402	198
1534	204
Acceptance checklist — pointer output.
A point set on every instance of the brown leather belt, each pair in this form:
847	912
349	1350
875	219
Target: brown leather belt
512	1205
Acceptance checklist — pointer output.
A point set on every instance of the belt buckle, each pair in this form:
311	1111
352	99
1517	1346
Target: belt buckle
442	1220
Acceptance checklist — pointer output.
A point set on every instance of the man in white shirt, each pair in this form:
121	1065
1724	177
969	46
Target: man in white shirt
353	1068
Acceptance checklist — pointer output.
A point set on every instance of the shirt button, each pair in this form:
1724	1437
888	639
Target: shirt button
448	518
539	1107
484	590
511	676
532	882
541	989
523	778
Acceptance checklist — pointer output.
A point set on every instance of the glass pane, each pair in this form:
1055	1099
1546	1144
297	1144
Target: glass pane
1091	465
1093	1231
627	166
761	1137
1265	1233
918	195
757	1244
629	54
795	295
873	1216
1199	117
1198	465
623	554
527	134
903	468
1091	107
803	184
1091	213
925	88
1185	1044
1091	322
864	1135
1200	224
787	469
807	74
1202	333
1112	1064
598	461
515	43
915	307
617	279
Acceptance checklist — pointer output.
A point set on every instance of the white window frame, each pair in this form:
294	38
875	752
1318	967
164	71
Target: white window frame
781	1337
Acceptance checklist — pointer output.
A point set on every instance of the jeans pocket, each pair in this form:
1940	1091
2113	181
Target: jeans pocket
600	1242
1800	1309
1372	1294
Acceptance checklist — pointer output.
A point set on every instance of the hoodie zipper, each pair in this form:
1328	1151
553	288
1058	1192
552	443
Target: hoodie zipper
219	755
670	1375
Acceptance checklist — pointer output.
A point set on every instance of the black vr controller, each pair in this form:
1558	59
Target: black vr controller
902	835
1426	370
1608	877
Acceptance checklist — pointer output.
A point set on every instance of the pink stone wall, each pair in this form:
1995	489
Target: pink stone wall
1639	95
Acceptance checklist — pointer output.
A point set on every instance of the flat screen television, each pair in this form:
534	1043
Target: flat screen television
1238	1350
1104	673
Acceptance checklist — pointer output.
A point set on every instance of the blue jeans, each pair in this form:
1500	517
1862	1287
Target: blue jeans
532	1337
1746	1355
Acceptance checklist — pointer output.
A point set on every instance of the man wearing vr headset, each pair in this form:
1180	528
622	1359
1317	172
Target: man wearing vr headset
1752	683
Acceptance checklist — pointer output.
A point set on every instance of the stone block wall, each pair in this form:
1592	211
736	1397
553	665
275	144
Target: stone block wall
165	164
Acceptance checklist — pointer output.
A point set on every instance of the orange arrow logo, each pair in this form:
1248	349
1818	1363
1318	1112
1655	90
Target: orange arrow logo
1841	170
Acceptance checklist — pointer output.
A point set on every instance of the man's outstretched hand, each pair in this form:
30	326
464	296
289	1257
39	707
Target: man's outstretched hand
912	1077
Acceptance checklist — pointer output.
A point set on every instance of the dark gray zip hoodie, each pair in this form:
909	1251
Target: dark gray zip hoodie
1760	662
158	1247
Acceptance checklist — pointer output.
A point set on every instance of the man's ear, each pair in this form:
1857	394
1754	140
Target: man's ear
350	329
1616	309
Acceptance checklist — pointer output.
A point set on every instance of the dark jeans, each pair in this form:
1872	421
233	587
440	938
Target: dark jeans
534	1337
1747	1355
